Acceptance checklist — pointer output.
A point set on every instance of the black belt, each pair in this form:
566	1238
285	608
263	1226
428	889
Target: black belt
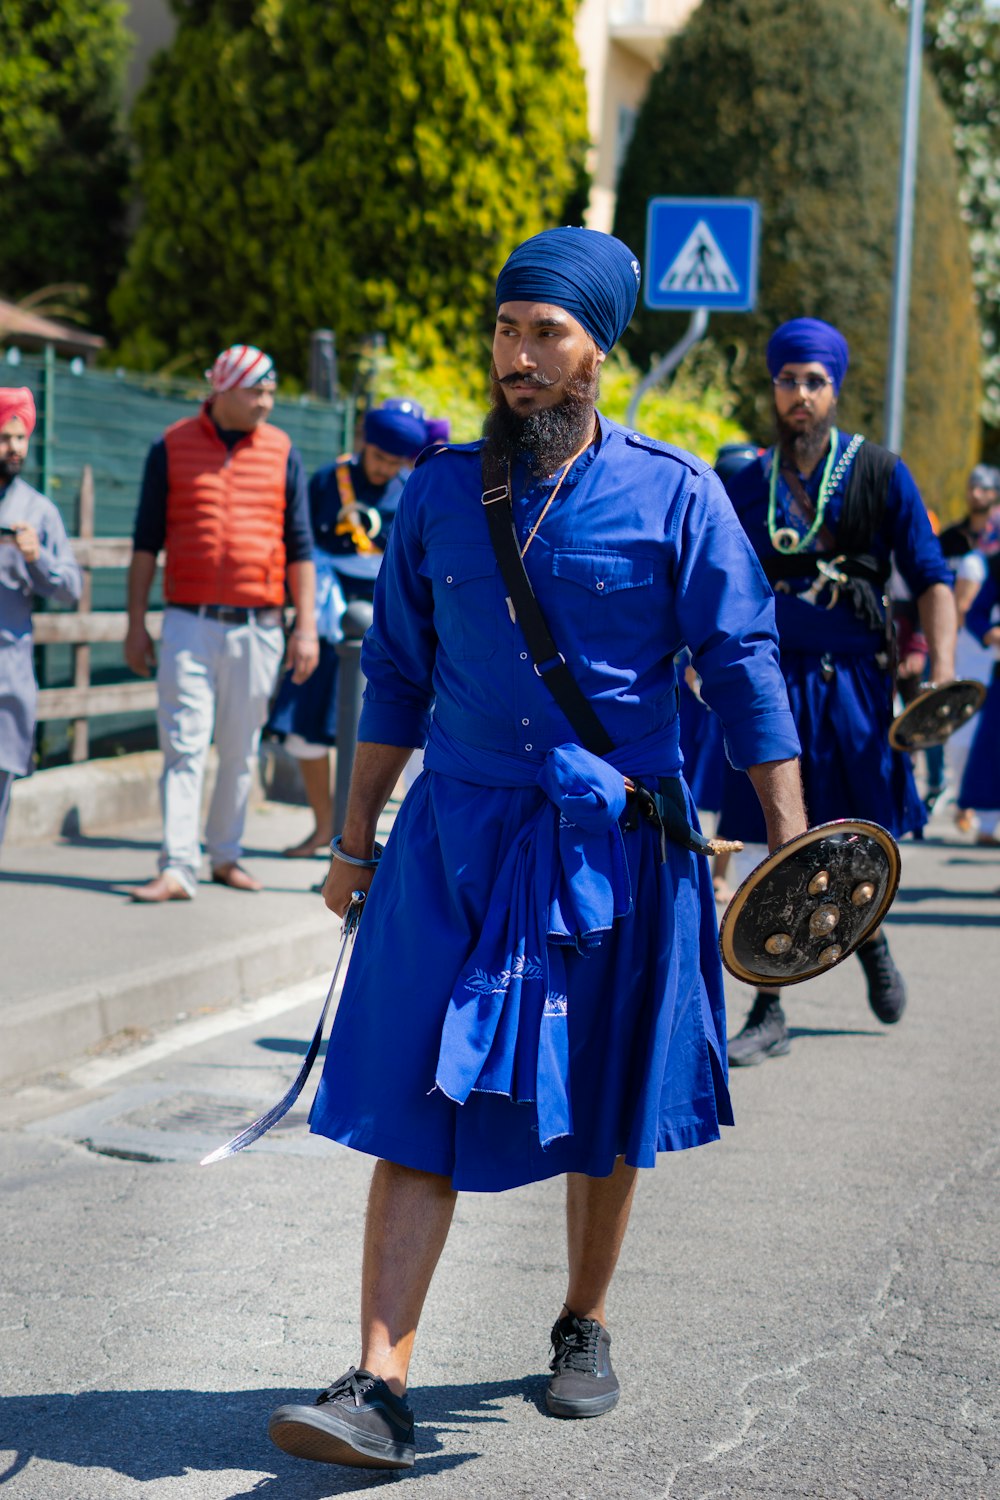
230	614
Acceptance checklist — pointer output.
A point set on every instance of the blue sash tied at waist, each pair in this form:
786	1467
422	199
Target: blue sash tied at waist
564	881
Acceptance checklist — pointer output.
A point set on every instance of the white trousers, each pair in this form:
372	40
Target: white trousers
211	677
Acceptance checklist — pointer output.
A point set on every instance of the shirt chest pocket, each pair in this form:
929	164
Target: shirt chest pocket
605	586
468	600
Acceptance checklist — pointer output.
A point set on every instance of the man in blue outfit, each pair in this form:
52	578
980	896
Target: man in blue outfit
536	988
827	513
352	504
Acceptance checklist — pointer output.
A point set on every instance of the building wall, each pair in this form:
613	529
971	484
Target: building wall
621	43
152	24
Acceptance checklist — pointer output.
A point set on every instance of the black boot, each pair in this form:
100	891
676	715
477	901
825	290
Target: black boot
764	1033
886	990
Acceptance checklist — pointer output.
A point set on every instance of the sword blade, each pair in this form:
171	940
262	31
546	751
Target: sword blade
271	1117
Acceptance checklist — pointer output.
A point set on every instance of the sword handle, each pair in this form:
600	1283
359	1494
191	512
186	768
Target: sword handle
352	915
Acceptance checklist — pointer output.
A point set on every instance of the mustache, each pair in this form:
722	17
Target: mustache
541	381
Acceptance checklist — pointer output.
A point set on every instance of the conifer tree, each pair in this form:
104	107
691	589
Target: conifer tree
63	163
332	163
801	108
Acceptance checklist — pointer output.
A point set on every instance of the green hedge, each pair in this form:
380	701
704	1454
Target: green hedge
322	163
800	107
63	163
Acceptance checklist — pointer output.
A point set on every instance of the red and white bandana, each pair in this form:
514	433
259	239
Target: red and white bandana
240	364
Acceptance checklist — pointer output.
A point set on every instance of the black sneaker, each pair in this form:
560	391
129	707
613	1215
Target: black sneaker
886	989
764	1034
583	1383
356	1421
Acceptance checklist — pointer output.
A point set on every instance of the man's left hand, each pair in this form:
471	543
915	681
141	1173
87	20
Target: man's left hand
26	541
302	656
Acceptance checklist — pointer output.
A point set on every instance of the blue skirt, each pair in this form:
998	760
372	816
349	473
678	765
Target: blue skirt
980	787
849	769
309	708
647	1064
703	748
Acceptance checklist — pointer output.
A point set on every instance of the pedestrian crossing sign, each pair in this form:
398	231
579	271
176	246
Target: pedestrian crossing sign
701	252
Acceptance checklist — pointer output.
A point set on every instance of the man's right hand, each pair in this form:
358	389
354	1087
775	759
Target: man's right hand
341	881
140	653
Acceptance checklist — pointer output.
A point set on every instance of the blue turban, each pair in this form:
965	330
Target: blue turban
398	429
805	340
590	275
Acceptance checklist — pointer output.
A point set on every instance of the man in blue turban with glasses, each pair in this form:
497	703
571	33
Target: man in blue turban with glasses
536	988
828	513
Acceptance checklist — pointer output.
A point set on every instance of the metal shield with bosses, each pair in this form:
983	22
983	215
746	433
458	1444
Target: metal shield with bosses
810	904
935	715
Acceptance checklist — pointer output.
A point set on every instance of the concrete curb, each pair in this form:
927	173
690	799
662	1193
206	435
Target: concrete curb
42	1032
100	796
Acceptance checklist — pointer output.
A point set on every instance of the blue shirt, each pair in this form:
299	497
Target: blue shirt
325	505
905	534
640	555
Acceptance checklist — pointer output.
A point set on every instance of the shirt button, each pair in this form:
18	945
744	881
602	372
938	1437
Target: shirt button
524	656
449	579
600	585
529	747
525	722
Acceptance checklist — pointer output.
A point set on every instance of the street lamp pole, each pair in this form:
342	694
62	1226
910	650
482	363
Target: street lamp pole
896	378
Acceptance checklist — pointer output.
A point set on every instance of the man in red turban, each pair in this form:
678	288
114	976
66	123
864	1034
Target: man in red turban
35	559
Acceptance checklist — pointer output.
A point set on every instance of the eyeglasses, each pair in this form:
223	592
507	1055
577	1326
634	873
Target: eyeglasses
810	383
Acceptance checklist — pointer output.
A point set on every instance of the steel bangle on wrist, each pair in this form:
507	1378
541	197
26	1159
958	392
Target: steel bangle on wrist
338	852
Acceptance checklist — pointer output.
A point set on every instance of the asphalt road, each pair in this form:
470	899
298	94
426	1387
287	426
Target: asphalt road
809	1308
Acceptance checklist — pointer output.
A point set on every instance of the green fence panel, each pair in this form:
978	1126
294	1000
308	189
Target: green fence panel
108	419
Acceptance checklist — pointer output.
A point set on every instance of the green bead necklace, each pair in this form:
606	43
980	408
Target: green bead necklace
786	539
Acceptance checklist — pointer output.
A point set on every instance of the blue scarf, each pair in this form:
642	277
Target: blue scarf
564	881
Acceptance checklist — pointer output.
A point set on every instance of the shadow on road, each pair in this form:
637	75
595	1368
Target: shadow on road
815	1031
150	1435
908	895
71	882
944	918
287	1044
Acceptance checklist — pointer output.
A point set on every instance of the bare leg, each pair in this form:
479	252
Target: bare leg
315	772
409	1215
597	1213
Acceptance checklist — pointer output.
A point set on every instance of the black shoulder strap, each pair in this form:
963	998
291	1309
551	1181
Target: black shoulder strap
865	497
550	664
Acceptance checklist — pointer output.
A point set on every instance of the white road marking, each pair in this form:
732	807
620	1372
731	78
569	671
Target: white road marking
99	1071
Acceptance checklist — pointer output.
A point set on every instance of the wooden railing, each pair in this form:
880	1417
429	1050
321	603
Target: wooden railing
82	628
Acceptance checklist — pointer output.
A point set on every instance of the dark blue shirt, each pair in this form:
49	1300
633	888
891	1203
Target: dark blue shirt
324	507
905	535
640	555
150	530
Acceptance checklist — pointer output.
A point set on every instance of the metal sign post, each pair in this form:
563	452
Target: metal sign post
899	331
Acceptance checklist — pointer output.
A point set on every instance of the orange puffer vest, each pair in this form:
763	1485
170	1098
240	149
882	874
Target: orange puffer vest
225	515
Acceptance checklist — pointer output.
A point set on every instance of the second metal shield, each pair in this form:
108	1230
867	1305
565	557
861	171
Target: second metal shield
935	715
810	904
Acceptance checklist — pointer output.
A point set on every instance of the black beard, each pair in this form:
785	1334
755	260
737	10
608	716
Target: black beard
547	437
803	448
10	468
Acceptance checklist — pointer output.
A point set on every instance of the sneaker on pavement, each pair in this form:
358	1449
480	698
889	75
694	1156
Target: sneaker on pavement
886	989
764	1034
583	1383
356	1421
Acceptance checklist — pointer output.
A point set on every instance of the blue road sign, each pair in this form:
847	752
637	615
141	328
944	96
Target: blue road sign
701	252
